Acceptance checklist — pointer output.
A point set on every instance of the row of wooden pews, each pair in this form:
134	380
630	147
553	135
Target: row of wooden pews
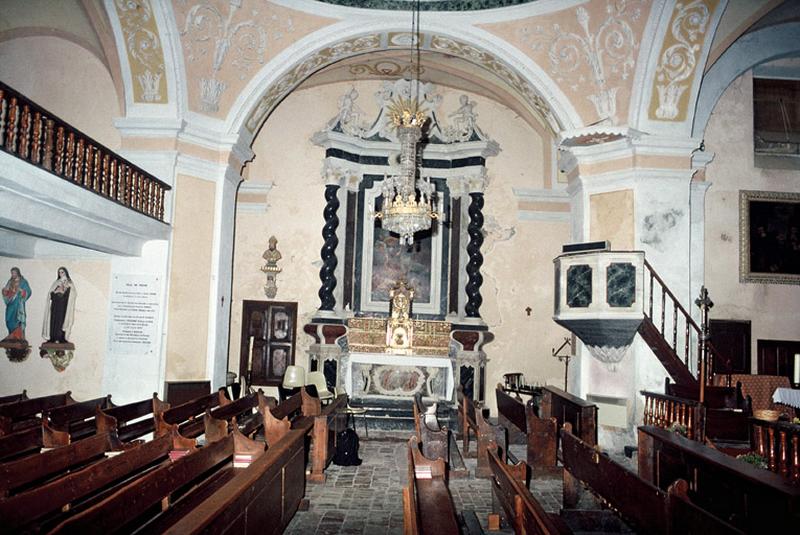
100	483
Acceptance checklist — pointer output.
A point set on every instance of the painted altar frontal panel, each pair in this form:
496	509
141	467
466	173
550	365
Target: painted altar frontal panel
392	376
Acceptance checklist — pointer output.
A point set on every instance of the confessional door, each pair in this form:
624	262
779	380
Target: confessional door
732	340
269	330
776	357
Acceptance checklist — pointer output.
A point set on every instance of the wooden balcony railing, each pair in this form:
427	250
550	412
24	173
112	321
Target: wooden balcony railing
35	135
677	327
661	410
779	443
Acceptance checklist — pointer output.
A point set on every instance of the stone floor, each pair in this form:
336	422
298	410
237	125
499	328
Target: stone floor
368	499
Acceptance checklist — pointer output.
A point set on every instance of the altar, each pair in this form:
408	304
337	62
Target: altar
390	376
375	338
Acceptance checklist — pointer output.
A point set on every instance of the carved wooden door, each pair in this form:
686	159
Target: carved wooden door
269	330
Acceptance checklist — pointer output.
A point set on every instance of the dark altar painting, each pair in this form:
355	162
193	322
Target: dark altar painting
392	261
769	237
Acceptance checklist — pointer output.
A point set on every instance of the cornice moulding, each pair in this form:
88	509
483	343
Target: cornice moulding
199	168
131	126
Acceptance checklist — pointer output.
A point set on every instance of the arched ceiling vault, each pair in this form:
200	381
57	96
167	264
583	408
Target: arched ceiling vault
439	69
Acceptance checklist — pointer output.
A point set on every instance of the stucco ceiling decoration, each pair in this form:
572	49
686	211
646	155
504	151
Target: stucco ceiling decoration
144	51
399	41
227	36
428	5
603	53
679	57
386	68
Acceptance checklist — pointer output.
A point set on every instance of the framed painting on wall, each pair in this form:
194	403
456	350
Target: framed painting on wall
769	237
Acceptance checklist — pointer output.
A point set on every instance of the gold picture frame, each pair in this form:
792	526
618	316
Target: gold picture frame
769	237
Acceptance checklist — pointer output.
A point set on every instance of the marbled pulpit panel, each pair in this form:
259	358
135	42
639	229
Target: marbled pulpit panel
579	286
620	284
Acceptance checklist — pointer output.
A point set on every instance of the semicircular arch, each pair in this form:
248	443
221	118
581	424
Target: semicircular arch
761	46
288	70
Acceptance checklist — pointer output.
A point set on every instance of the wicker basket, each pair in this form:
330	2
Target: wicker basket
768	415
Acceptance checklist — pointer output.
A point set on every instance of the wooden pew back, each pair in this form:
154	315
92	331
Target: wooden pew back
428	507
41	502
22	414
541	433
566	408
644	506
261	498
184	414
749	498
327	427
522	510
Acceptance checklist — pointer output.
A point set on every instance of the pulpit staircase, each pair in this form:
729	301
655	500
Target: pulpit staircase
718	412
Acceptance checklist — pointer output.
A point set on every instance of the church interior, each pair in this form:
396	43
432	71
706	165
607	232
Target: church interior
539	259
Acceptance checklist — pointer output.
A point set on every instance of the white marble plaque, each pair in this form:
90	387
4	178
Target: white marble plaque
134	310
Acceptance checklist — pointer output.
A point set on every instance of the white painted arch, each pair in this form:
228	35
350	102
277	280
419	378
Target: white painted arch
761	46
306	56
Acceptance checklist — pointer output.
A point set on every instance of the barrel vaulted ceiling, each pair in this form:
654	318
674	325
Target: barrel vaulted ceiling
603	59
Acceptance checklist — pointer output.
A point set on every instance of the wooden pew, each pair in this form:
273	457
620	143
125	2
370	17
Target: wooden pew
184	415
541	433
40	508
751	499
203	471
327	426
466	419
645	507
566	408
437	442
523	512
242	407
58	427
22	414
427	505
77	418
261	498
491	437
131	421
13	398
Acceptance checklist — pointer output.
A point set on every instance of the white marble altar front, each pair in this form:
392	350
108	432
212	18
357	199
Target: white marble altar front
392	376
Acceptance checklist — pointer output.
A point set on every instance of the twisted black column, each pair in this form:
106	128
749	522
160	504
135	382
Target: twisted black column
328	252
474	278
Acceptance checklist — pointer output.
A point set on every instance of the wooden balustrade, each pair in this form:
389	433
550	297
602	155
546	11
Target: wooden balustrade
661	410
35	135
778	442
680	322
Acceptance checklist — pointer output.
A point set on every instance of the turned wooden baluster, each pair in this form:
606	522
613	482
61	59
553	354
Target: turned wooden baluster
112	178
24	132
648	407
104	177
675	326
47	157
761	448
161	193
690	424
795	460
88	166
772	463
784	468
94	177
69	164
78	169
36	139
11	125
2	116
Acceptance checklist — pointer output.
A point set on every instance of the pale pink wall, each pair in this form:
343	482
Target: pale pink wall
65	79
772	308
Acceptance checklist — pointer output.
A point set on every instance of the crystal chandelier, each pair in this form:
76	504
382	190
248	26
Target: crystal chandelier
407	202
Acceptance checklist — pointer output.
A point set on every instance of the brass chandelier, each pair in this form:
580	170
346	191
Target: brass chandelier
407	202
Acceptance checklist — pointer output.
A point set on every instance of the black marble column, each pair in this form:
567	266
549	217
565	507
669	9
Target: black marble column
328	252
474	278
